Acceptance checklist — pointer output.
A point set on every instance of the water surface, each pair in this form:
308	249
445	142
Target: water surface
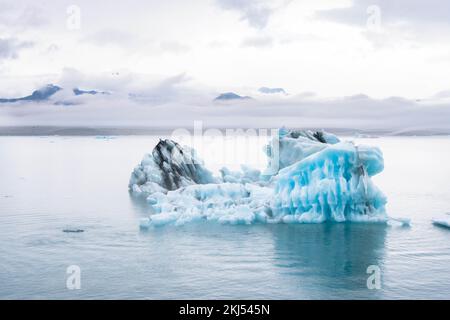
48	184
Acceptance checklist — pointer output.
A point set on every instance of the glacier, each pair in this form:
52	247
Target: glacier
318	178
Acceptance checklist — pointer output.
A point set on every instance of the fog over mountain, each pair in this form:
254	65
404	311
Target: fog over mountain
357	65
172	103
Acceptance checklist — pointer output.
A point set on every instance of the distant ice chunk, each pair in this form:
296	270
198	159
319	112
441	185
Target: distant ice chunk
399	222
320	179
442	221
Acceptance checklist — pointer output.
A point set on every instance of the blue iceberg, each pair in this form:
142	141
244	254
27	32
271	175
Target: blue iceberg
331	185
318	178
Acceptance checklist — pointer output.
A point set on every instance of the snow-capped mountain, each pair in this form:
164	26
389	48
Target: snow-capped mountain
46	92
38	95
231	96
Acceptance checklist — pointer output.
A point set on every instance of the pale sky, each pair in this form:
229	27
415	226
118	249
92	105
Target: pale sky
377	65
332	48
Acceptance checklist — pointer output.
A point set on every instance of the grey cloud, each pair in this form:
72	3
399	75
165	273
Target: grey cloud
112	37
126	40
32	17
52	48
174	47
399	12
165	105
166	90
139	88
10	47
22	18
442	94
259	42
255	12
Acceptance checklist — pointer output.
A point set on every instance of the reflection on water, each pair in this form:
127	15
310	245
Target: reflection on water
334	257
140	206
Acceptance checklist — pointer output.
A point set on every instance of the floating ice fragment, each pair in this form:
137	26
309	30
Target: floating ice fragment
73	230
402	222
442	221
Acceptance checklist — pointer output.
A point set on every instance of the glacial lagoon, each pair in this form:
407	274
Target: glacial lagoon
51	184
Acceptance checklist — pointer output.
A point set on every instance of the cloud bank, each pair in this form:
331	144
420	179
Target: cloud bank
177	101
10	47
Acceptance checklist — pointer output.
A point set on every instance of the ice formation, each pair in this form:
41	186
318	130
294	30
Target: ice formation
442	221
168	167
333	184
318	179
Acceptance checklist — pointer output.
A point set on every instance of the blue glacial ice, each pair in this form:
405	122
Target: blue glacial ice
318	179
333	184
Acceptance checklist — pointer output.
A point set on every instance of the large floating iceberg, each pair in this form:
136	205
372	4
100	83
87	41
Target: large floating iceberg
318	178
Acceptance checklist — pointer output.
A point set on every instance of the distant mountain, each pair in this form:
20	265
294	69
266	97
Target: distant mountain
37	95
272	90
79	92
231	96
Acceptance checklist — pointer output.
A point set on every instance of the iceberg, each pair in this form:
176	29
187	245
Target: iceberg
442	221
319	179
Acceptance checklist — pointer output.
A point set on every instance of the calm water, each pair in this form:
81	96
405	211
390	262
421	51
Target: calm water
48	184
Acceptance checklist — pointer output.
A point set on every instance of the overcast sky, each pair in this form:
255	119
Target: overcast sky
361	64
333	48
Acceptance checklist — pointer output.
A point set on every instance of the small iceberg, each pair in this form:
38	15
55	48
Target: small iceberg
105	137
442	221
399	222
73	230
317	178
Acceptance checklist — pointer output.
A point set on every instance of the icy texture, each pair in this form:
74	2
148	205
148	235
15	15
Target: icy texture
233	203
246	175
292	146
334	184
168	167
320	179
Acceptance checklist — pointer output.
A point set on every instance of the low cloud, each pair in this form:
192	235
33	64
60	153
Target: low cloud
258	42
174	47
417	16
113	37
10	48
19	18
255	12
175	102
